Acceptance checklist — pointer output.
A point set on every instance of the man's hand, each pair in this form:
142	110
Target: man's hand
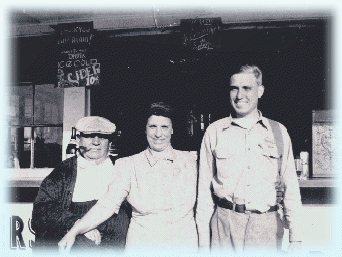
94	235
66	243
295	247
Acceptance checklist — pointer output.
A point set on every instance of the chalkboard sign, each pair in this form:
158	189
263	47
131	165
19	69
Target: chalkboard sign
201	33
75	68
74	34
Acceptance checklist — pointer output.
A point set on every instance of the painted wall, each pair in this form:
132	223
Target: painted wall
318	225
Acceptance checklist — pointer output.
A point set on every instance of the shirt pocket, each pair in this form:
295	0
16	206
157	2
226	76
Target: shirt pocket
271	152
224	160
270	159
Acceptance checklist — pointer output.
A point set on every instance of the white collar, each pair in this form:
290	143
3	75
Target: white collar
84	163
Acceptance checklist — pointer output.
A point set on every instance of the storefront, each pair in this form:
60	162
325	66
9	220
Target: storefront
137	66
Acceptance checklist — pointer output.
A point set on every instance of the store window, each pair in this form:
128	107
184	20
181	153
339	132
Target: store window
35	126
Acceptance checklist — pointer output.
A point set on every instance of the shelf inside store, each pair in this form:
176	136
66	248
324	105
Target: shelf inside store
318	182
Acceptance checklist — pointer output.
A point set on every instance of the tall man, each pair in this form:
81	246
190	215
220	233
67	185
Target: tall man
73	187
239	175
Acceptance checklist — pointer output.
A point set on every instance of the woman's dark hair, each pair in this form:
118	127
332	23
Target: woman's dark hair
160	109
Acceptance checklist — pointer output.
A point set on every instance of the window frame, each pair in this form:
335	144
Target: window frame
32	126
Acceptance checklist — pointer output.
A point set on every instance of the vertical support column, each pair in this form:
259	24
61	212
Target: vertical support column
87	102
74	109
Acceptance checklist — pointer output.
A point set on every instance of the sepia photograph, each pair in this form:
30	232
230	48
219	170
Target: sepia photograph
170	128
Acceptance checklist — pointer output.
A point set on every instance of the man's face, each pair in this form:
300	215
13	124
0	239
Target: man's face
244	94
94	146
158	132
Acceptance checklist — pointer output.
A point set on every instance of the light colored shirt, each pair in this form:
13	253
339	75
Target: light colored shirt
241	165
162	193
92	180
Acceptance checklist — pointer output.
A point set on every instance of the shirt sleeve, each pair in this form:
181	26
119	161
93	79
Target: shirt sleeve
205	204
292	197
119	188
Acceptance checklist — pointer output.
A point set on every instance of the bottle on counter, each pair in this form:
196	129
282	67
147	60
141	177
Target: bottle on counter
304	156
72	146
299	166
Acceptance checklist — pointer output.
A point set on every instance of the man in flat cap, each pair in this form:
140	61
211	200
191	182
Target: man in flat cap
73	187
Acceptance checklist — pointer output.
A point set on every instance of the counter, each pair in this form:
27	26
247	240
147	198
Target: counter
319	207
23	186
33	178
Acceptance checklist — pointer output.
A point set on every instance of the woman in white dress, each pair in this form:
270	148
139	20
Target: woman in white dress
160	184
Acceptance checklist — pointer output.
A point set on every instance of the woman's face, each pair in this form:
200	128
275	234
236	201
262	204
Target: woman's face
158	132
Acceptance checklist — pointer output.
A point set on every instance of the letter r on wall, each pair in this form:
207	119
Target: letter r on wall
17	226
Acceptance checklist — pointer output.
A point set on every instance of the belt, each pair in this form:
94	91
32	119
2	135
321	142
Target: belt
241	208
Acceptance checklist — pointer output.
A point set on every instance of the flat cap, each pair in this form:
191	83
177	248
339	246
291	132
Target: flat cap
95	124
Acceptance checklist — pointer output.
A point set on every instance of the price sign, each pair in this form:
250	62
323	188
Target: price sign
75	66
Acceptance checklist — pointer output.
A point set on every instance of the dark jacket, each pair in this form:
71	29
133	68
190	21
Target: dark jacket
51	218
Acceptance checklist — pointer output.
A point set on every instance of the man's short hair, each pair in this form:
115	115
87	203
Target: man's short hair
160	109
251	69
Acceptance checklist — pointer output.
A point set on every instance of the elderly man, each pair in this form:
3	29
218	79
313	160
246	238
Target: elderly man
73	187
246	161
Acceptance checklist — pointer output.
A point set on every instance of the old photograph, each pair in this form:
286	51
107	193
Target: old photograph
155	128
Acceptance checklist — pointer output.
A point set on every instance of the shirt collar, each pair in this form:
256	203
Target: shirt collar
152	160
262	120
84	163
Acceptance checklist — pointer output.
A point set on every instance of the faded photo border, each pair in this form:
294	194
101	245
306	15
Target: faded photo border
7	56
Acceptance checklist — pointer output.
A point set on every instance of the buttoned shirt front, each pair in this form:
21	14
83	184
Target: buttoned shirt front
162	192
241	165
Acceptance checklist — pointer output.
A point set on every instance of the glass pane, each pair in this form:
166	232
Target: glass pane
48	105
19	150
21	105
48	147
12	159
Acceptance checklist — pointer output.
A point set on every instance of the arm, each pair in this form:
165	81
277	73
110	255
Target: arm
49	214
105	207
205	204
292	198
116	227
95	216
